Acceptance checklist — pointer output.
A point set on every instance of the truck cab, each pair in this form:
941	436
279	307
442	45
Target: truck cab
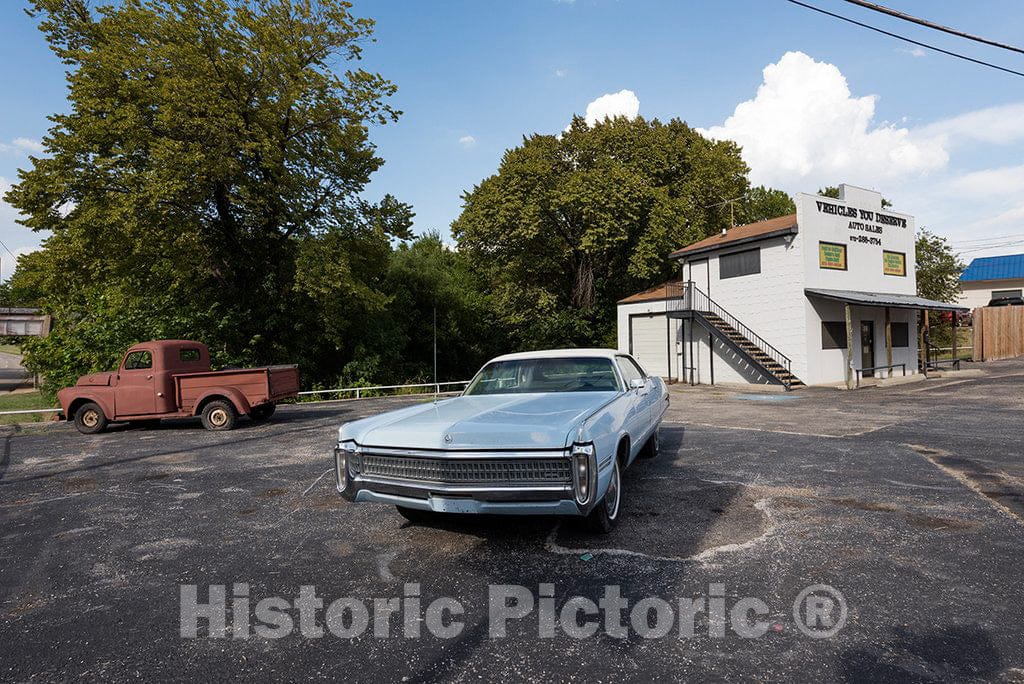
145	379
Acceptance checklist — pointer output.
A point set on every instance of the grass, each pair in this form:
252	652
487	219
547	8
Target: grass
10	349
21	401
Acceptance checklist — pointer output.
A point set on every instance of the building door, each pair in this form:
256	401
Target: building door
700	274
650	342
867	346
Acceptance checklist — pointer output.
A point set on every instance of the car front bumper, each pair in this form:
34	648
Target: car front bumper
424	493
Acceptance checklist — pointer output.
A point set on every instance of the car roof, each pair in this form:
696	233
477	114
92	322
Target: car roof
560	353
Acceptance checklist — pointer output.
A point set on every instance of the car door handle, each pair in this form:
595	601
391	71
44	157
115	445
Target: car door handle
149	377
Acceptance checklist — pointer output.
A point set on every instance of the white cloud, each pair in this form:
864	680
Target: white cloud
467	141
804	129
913	52
561	73
1000	125
623	103
999	182
22	146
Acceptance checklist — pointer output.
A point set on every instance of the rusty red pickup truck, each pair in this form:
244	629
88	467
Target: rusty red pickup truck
172	379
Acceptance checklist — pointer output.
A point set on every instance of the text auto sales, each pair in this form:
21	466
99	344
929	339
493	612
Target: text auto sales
864	215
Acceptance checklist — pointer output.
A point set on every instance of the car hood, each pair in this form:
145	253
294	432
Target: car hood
495	421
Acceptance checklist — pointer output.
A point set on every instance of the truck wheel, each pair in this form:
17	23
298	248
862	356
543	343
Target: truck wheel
89	418
604	516
261	413
219	415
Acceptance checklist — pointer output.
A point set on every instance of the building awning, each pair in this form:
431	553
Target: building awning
896	301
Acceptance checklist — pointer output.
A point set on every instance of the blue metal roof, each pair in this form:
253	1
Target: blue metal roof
995	268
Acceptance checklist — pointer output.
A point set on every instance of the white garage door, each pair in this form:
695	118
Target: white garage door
650	343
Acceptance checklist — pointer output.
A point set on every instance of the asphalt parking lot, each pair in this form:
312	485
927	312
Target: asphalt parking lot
909	501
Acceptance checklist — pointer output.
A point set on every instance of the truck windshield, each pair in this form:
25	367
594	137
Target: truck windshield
523	376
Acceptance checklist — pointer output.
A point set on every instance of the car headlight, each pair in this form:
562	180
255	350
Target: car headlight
346	460
583	467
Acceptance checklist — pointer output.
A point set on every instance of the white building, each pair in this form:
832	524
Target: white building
992	279
816	297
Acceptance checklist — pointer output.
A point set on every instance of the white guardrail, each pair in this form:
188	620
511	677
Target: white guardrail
358	391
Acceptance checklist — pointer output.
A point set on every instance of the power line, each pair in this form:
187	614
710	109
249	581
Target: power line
907	40
938	27
992	238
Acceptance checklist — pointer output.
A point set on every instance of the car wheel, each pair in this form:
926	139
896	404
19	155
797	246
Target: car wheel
219	415
653	445
263	412
606	514
89	418
414	515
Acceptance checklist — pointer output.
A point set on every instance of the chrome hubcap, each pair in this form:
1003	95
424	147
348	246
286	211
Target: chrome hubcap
218	417
611	497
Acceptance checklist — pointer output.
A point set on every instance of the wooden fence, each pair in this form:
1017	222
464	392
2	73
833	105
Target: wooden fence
998	332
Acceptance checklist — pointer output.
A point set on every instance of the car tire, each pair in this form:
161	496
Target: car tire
652	447
262	412
90	419
219	415
414	515
606	513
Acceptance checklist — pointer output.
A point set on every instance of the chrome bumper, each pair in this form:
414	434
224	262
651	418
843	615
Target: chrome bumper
532	482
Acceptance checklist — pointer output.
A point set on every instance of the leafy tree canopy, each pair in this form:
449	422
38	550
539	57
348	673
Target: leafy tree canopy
211	160
571	223
938	268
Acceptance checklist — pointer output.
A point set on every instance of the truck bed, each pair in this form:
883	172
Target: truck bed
258	385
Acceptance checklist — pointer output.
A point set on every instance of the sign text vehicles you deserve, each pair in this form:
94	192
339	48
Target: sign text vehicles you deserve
867	226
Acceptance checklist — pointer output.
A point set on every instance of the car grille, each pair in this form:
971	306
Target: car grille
467	471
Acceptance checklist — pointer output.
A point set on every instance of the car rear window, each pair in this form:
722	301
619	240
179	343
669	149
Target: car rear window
190	355
521	376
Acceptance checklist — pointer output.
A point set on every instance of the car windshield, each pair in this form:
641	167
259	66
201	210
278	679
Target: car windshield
522	376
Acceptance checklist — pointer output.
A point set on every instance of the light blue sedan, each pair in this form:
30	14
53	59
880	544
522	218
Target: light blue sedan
536	433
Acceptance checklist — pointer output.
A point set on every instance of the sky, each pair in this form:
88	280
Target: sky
813	101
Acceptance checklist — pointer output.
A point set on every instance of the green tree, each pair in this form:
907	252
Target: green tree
763	203
206	141
938	268
570	224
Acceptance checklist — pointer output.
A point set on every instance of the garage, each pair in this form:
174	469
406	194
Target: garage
646	331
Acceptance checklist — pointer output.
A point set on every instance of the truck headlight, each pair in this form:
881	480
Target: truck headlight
583	467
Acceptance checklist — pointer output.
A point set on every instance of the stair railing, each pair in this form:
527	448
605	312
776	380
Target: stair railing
695	300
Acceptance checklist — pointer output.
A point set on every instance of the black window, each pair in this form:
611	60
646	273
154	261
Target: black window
188	355
138	360
900	334
833	335
738	264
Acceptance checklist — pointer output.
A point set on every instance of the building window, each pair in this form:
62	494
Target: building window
832	256
747	262
894	263
1007	294
900	334
833	335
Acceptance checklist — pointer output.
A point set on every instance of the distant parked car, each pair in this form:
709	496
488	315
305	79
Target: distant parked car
1007	301
546	432
172	378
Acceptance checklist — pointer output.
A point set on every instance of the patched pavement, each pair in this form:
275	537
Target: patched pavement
906	500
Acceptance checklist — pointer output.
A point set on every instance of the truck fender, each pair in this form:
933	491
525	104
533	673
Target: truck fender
80	398
237	399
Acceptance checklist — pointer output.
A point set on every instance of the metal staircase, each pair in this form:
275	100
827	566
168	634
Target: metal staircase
775	366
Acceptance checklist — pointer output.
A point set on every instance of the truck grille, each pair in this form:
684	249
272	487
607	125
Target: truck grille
467	471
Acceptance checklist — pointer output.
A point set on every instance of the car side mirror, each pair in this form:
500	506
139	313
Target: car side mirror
637	383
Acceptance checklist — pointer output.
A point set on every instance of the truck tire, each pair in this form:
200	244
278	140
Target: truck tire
606	513
262	412
89	418
219	415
